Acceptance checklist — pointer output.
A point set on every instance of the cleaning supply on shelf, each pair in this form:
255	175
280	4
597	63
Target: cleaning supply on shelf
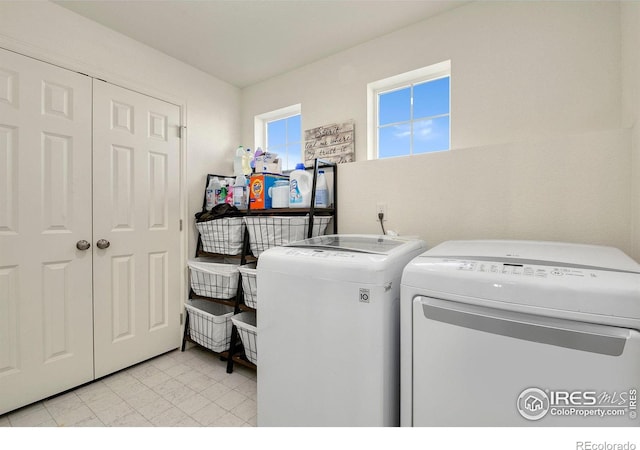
255	156
229	197
237	160
210	193
299	187
322	191
247	157
261	190
240	192
221	193
280	194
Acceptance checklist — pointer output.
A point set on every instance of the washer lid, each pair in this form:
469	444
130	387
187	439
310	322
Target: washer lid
379	245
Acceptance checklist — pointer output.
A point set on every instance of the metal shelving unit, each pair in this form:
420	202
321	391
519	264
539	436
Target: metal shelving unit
235	353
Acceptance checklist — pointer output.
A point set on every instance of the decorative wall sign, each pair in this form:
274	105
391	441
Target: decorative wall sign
333	143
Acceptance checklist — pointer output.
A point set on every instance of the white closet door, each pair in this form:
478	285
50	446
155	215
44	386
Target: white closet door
46	321
136	209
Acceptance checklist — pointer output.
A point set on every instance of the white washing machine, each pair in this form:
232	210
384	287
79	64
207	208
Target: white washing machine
329	332
520	333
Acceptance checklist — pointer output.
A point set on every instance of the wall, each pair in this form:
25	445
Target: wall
538	149
212	106
630	14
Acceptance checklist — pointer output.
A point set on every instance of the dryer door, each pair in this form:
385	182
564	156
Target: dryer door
477	366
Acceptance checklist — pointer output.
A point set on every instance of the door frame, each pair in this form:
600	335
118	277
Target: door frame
69	63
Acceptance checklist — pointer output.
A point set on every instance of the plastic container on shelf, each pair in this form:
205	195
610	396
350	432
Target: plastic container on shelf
238	159
229	198
246	161
300	182
245	322
211	193
280	194
221	194
240	192
210	324
322	191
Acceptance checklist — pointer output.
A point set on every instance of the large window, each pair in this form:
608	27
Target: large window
281	132
411	113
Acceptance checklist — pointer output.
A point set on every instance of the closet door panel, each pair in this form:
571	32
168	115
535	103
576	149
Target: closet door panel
46	321
136	209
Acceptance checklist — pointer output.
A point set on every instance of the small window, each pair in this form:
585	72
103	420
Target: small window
410	113
280	132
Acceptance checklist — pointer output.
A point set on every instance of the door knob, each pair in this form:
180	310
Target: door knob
82	245
103	243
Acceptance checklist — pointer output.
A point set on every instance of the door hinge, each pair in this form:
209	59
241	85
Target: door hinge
180	224
181	319
180	131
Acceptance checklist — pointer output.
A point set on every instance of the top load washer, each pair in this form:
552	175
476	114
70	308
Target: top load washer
329	331
520	333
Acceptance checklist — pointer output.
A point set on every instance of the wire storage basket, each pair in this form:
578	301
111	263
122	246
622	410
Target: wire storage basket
212	279
223	236
248	274
210	324
245	322
272	231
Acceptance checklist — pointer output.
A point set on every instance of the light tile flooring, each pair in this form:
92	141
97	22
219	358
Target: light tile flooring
177	389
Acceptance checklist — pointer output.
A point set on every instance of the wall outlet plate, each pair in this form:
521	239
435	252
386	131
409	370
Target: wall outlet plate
381	208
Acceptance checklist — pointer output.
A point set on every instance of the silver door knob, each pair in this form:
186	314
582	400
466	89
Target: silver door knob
82	245
103	243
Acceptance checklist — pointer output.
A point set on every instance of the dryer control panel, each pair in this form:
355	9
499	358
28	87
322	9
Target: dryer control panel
529	270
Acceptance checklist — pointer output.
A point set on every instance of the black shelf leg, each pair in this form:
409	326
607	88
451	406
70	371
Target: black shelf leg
186	330
232	345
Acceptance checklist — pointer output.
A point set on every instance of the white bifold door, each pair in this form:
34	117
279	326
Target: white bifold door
136	212
83	165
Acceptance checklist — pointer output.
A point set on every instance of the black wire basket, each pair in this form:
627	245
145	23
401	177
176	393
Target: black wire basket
223	236
273	231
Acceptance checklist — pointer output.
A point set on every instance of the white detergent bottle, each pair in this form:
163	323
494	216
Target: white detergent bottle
237	160
212	188
221	195
240	192
322	191
246	162
299	187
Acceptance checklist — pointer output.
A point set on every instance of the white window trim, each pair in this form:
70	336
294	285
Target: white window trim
260	122
375	88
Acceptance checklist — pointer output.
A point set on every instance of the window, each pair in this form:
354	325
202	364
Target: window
410	113
280	132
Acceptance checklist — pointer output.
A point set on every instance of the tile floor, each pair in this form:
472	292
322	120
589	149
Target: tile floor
177	389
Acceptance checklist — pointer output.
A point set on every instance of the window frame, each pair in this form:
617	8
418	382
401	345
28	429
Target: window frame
261	121
394	83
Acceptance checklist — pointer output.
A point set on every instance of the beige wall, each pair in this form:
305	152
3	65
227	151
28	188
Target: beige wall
57	35
630	14
538	147
572	188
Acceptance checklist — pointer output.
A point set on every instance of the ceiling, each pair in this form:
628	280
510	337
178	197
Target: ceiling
246	41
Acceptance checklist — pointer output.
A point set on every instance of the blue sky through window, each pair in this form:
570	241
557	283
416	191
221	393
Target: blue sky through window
414	119
284	137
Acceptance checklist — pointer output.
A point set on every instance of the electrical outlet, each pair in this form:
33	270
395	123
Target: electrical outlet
381	208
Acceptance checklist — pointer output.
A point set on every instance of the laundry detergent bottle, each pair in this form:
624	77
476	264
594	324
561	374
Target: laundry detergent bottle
299	187
322	191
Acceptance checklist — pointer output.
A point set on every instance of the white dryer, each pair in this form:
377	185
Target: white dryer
329	331
520	333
